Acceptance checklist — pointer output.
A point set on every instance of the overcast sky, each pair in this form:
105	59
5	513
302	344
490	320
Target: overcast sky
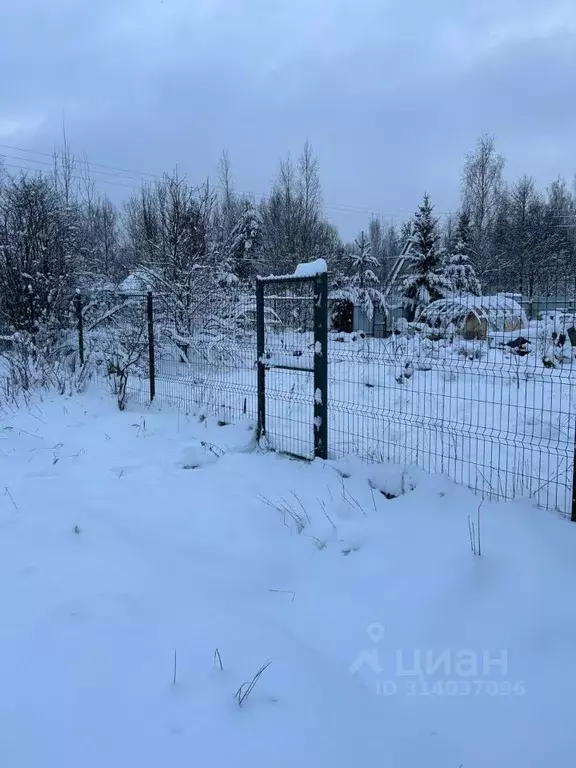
391	93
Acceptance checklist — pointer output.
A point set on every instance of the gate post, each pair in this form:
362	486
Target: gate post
260	362
151	358
321	366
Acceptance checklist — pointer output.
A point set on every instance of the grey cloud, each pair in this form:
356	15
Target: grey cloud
391	93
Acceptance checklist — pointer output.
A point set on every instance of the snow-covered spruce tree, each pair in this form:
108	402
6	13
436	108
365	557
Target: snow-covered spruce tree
427	281
244	242
458	269
364	284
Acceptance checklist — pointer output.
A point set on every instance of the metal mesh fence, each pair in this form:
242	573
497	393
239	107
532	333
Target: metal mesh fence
205	355
480	388
115	340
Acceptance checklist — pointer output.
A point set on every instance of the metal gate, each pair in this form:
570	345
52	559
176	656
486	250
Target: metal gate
292	350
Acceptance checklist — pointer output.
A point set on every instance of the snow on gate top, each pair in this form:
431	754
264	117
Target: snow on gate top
307	269
311	268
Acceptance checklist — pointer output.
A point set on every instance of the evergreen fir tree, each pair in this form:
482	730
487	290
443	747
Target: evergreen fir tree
245	239
459	270
427	281
365	283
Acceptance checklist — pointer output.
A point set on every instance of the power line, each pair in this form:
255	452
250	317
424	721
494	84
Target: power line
75	178
147	177
356	212
80	164
96	165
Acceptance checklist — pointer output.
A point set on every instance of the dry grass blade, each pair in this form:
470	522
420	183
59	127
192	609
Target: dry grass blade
246	688
306	515
7	491
322	504
285	509
214	449
285	592
479	540
350	500
470	535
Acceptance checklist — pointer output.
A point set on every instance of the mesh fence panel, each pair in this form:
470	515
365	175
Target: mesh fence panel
479	388
205	355
116	343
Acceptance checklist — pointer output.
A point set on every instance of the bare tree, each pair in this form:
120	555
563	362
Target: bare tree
229	208
481	188
38	252
293	225
562	207
523	198
104	226
311	197
171	236
64	168
376	236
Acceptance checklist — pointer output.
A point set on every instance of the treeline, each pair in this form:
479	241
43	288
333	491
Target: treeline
58	234
521	238
506	237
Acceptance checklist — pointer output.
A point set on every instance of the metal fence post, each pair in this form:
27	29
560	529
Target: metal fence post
78	304
151	360
260	362
573	514
321	366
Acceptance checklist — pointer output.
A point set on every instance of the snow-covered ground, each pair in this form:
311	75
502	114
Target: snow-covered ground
135	544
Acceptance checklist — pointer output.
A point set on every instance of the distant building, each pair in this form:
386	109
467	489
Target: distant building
348	317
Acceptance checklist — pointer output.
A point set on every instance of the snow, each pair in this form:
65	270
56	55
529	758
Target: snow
136	283
128	536
296	362
311	268
140	281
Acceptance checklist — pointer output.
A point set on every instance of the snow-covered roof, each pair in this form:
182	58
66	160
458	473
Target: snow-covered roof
496	309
